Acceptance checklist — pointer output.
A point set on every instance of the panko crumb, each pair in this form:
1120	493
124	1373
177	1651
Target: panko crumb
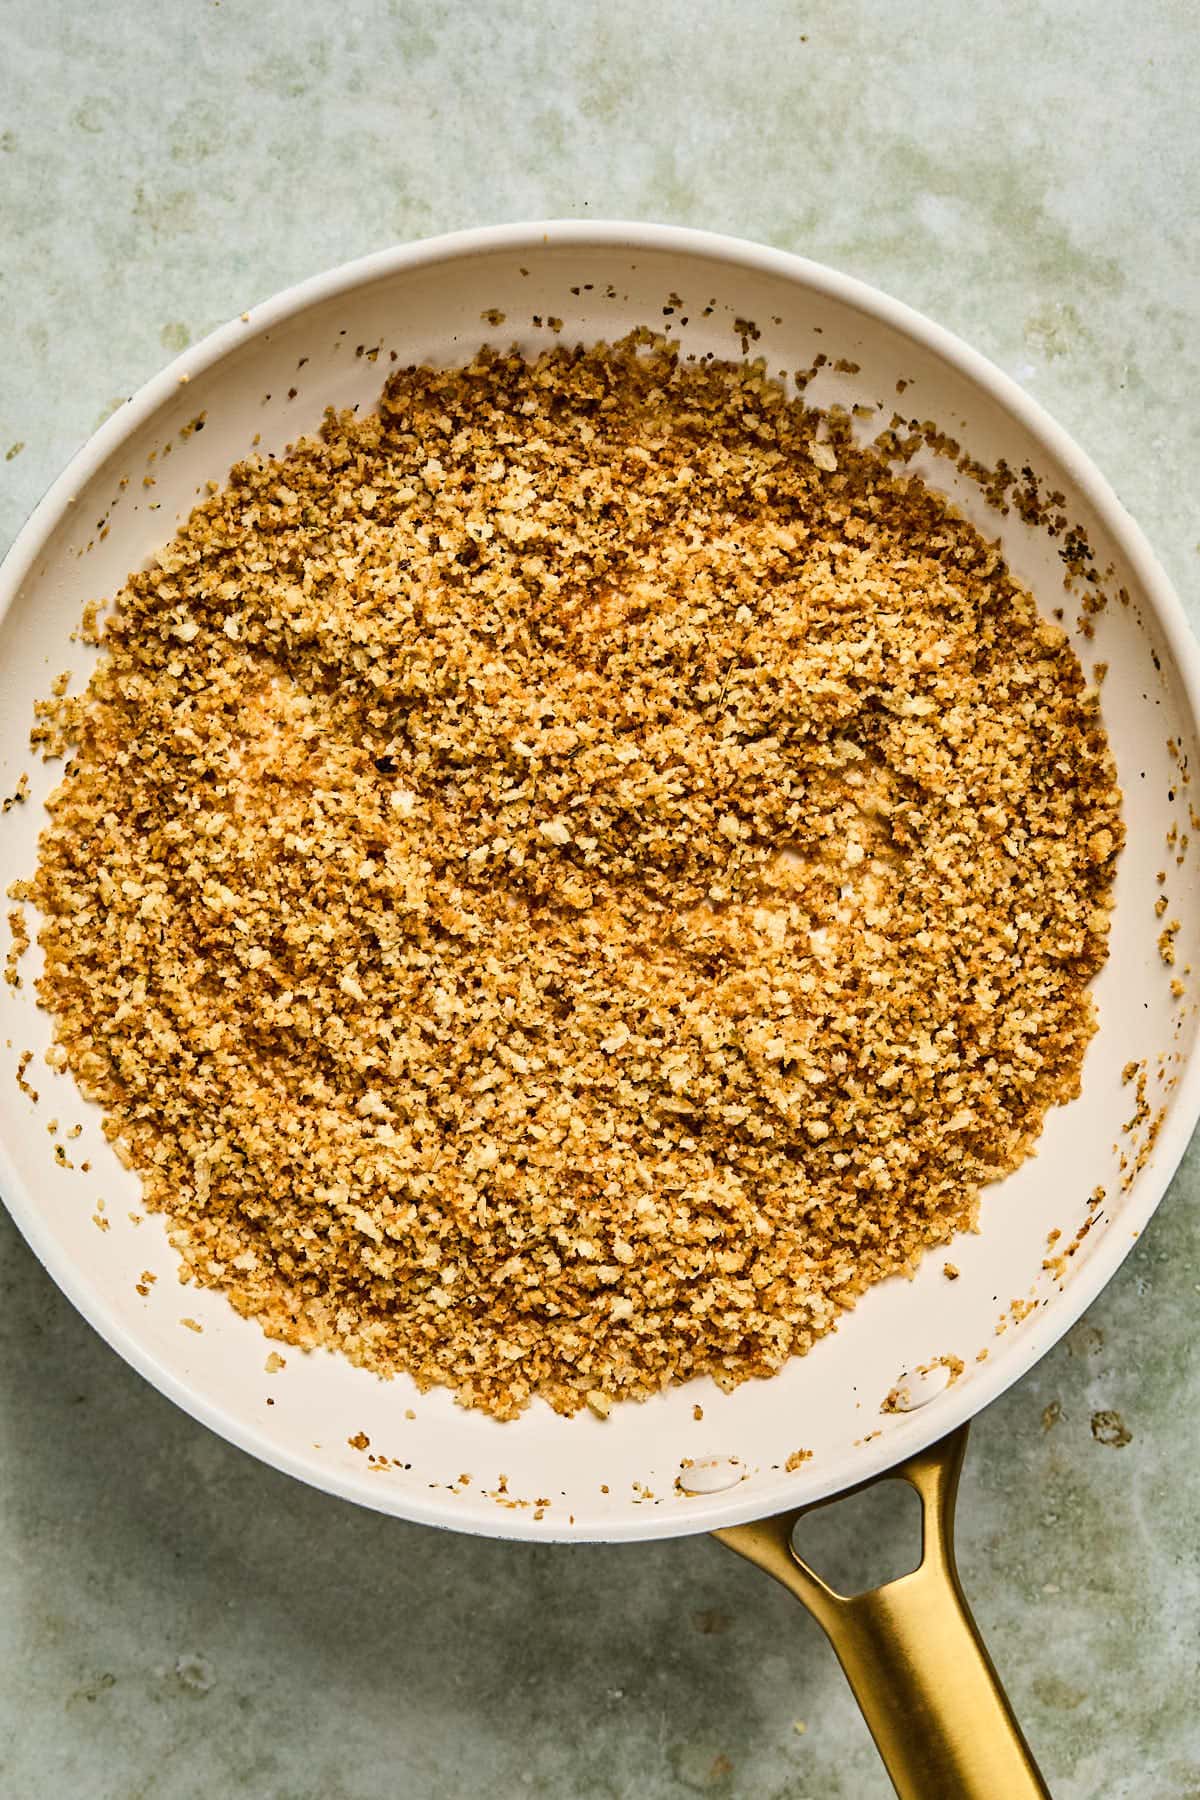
19	933
18	796
23	1062
561	884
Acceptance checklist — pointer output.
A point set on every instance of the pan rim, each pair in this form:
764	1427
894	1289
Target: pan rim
989	1381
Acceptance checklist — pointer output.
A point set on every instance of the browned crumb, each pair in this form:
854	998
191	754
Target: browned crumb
192	1324
1051	1414
23	1062
1110	1428
19	795
1141	1108
493	316
1166	942
1152	1121
274	1363
950	1271
18	947
697	1413
360	1441
564	882
796	1459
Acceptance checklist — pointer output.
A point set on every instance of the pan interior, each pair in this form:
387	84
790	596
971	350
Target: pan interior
418	1455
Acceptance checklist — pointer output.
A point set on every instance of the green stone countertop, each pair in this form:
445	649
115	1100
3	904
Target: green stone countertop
176	1621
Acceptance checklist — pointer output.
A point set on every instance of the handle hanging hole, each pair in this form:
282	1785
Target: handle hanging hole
865	1540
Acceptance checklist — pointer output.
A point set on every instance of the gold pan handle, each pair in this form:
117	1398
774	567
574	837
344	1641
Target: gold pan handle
912	1652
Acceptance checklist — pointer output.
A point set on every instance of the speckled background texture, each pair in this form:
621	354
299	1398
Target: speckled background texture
176	1621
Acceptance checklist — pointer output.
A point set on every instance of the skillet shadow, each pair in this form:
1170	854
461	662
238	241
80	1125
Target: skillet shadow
189	1620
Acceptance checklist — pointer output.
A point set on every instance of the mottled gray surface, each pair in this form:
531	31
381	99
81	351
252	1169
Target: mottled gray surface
176	1621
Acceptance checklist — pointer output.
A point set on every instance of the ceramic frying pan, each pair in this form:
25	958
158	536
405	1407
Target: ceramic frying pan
941	1349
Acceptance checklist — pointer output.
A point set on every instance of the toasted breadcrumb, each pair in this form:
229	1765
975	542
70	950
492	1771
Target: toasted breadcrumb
20	943
23	1062
562	883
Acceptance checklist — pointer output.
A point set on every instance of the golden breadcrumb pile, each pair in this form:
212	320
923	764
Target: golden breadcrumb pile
563	883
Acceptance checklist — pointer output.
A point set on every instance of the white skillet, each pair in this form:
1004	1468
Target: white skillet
265	378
